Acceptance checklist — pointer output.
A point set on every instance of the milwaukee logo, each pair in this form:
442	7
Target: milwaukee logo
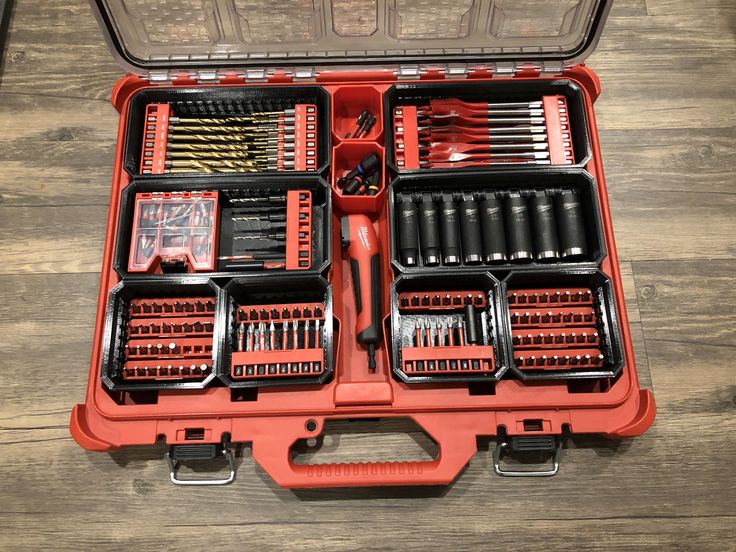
363	235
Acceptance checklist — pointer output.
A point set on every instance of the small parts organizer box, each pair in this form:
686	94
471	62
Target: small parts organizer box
326	210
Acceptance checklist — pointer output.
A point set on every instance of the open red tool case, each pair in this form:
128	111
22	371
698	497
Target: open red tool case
343	210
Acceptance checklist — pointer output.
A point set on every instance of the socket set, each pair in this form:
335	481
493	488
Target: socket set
178	141
445	335
450	133
545	221
382	227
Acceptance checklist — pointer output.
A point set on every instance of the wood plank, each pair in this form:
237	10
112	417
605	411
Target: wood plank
673	225
57	118
667	160
688	302
60	239
62	172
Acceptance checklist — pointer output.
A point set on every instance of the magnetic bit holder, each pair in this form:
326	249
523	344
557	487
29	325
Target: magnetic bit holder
198	453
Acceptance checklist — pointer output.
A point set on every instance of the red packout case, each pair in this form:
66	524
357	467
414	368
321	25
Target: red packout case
462	237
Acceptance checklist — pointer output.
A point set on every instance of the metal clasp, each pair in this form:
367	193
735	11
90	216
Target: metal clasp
177	453
524	444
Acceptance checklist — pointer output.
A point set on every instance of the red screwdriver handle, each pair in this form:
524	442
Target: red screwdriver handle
360	241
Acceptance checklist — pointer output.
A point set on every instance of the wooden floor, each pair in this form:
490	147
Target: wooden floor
667	124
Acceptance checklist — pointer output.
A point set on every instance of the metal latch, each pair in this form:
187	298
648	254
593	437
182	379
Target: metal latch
530	443
199	453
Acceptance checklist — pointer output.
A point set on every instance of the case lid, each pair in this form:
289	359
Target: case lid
306	36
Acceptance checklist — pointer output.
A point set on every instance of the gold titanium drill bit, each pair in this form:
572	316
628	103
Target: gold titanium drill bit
210	138
216	147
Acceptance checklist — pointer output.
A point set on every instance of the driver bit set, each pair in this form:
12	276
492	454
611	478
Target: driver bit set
443	335
451	133
278	341
554	329
168	339
214	138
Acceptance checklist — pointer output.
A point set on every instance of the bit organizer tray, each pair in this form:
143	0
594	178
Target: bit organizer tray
271	224
481	125
160	336
210	129
546	218
500	313
563	324
446	334
276	336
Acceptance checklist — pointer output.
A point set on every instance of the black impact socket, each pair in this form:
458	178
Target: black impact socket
542	213
449	232
494	235
353	186
471	325
408	231
518	229
470	231
571	225
429	231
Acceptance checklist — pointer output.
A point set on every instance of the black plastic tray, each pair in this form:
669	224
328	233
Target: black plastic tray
509	90
116	320
251	290
604	301
455	281
227	100
507	180
321	215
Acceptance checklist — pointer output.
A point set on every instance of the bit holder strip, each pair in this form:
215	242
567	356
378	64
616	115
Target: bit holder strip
168	339
450	133
281	140
278	341
555	329
441	300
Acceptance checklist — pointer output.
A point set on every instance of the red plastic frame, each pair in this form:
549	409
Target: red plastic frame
448	414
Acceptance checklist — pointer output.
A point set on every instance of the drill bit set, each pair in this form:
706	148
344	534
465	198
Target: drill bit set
451	133
267	230
174	232
168	339
232	142
252	229
278	341
444	335
476	228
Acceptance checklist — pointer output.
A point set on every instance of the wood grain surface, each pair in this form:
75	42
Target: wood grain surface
667	121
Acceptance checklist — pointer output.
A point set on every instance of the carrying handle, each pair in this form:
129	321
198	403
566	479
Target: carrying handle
456	448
